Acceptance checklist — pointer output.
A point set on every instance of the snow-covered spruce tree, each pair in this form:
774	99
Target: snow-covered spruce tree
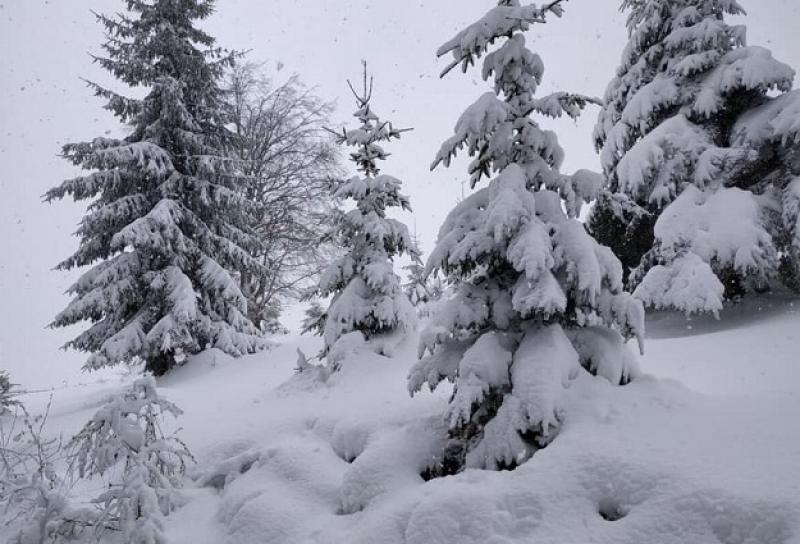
773	130
366	293
416	288
124	440
686	77
423	289
167	232
536	300
314	320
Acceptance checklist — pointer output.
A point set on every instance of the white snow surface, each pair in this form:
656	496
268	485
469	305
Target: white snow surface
702	447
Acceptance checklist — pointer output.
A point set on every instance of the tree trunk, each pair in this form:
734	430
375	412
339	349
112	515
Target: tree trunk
160	364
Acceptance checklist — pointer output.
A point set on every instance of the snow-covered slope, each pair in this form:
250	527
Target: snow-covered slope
283	458
754	349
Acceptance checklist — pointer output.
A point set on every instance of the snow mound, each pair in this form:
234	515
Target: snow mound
391	463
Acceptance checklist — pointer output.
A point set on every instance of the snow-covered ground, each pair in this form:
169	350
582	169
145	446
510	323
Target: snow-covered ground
705	448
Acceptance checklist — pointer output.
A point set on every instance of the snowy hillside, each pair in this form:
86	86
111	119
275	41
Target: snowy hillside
701	449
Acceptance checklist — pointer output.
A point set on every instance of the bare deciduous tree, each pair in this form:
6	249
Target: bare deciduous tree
287	161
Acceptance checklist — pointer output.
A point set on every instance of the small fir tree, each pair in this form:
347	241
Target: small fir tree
417	287
535	297
8	392
423	289
168	231
366	293
124	439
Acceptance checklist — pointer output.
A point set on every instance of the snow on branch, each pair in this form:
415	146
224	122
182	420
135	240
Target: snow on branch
501	21
479	120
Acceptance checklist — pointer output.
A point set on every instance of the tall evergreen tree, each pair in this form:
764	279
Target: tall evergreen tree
167	231
367	295
536	299
667	125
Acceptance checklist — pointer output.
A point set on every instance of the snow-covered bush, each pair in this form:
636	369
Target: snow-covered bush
366	293
676	117
34	506
536	300
124	442
168	231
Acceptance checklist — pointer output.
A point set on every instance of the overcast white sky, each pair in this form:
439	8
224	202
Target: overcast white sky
43	55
